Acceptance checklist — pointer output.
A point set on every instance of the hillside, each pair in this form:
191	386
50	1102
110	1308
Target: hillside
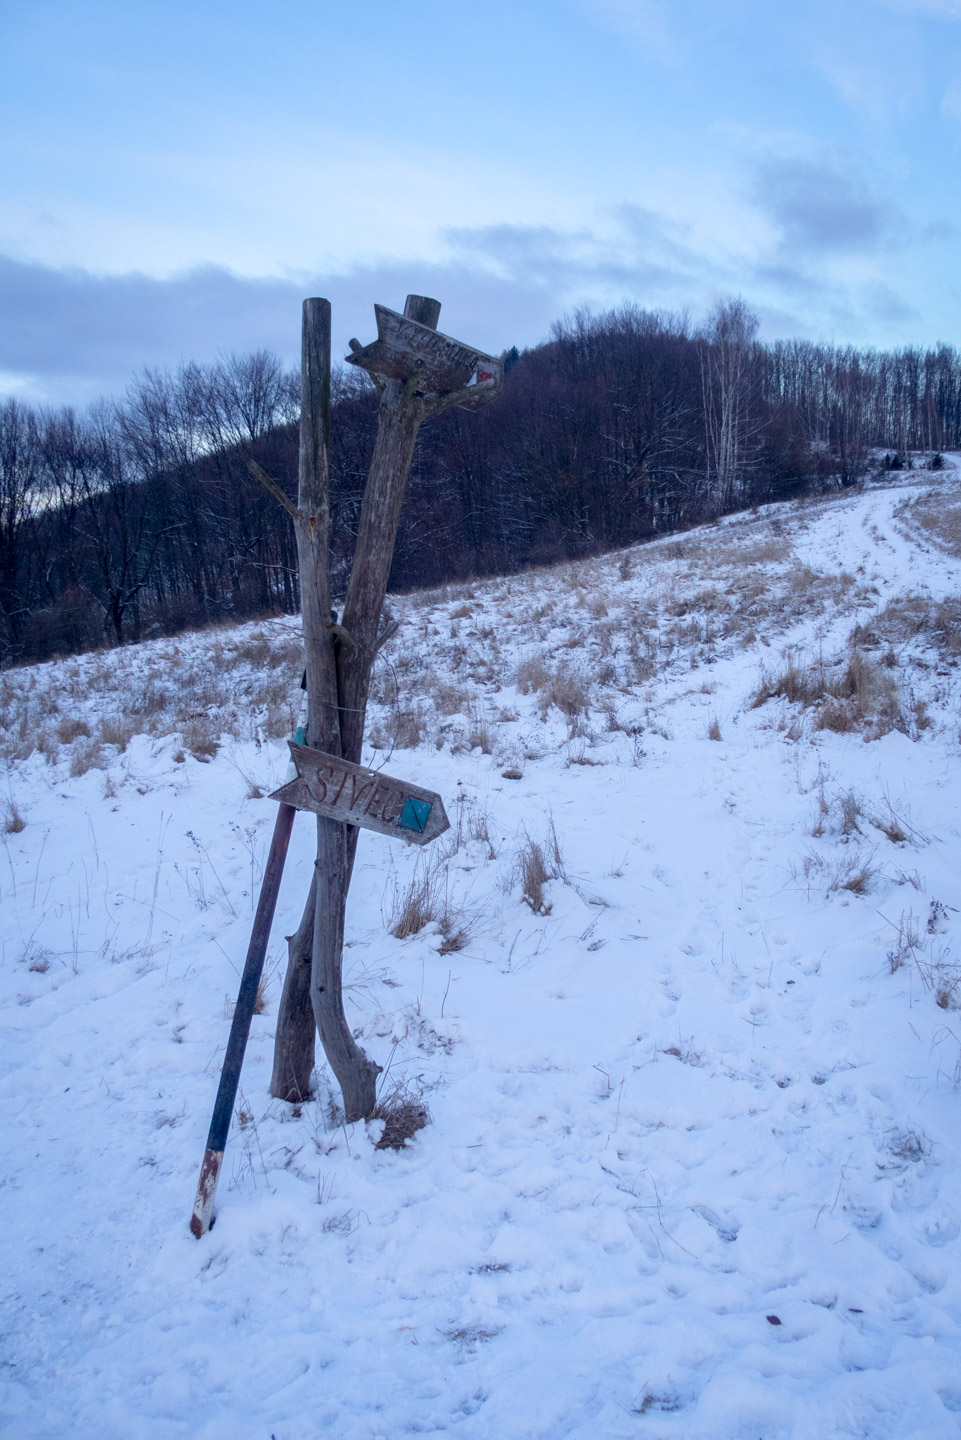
685	1013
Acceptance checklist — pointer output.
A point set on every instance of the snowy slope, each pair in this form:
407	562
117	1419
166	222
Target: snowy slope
694	1159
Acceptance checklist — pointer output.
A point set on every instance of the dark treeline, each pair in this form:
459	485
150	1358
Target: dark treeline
140	517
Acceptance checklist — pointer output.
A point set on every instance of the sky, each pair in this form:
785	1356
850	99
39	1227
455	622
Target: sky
175	178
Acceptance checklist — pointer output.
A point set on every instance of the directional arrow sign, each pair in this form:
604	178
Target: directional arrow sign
342	791
404	347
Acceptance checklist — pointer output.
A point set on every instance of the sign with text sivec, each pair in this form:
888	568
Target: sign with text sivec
341	790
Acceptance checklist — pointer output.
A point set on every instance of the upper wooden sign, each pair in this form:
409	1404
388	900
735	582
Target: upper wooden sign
404	348
340	790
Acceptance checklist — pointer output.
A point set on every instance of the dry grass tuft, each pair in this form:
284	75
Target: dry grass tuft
87	755
907	944
427	901
404	1112
855	694
940	975
554	686
201	738
417	906
13	821
37	958
71	728
116	730
537	865
853	873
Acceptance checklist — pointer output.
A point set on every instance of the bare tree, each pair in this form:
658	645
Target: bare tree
729	378
19	481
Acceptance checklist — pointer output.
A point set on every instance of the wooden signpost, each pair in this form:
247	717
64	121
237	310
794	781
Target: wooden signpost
405	350
339	790
419	373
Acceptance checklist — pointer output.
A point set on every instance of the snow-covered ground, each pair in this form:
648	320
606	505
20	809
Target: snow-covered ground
693	1165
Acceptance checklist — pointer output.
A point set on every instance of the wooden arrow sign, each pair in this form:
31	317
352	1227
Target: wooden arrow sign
404	348
340	790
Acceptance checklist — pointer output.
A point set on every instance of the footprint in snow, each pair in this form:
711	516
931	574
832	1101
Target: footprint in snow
724	1230
939	1229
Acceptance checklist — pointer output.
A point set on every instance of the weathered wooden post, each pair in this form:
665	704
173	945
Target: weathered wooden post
419	373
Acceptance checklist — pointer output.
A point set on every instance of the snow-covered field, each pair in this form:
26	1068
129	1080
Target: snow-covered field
693	1167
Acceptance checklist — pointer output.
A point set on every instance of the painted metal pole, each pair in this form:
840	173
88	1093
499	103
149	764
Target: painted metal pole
202	1217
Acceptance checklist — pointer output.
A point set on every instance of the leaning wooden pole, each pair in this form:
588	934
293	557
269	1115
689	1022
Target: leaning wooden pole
202	1217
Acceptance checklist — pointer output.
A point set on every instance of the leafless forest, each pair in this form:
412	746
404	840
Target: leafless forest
139	517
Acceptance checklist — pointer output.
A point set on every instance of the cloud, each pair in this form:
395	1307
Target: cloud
640	249
811	306
821	206
70	336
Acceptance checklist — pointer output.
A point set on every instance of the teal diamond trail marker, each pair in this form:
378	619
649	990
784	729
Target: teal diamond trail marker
415	814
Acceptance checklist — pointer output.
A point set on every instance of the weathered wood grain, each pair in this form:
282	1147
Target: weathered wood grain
333	787
355	1072
338	676
406	349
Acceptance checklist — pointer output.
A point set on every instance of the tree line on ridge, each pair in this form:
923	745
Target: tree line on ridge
139	517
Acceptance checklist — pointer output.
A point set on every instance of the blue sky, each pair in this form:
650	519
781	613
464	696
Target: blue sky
175	177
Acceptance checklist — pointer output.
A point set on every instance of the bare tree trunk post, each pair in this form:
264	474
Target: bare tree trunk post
338	679
355	1073
398	422
294	1040
296	1028
320	982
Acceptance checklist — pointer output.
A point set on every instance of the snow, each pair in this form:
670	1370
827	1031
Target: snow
692	1167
